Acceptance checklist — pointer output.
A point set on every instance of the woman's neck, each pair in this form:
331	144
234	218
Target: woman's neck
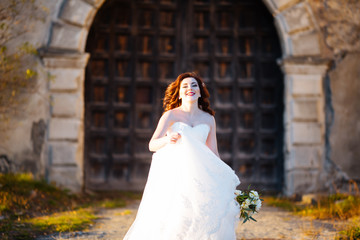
190	107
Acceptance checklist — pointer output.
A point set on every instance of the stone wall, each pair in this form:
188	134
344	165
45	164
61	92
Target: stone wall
321	114
24	141
339	22
345	131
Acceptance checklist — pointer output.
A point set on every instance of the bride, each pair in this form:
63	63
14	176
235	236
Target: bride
189	194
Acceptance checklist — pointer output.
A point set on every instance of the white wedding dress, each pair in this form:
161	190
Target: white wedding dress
189	194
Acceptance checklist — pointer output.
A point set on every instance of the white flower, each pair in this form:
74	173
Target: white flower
258	205
237	192
253	194
245	204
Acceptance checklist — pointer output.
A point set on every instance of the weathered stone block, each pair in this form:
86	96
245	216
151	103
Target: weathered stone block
65	78
310	199
96	3
297	18
304	157
303	109
66	177
306	84
66	104
293	68
64	129
280	4
302	181
66	36
78	12
305	44
64	153
66	60
306	133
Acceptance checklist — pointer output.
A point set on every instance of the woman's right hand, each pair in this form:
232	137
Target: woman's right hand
174	137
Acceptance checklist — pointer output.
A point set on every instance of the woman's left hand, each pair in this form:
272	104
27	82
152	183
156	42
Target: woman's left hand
174	137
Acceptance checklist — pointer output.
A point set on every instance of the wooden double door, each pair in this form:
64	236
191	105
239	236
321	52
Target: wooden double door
138	47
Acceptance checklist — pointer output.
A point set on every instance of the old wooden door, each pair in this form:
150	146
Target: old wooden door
138	47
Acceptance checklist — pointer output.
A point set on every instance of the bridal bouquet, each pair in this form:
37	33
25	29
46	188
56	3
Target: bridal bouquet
249	202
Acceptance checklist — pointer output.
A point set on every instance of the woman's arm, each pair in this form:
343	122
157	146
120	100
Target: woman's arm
159	138
211	141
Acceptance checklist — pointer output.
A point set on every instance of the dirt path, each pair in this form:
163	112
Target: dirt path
272	223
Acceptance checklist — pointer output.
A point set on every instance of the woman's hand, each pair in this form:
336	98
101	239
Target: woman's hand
174	137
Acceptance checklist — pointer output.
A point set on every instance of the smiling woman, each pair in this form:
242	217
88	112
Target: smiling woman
189	193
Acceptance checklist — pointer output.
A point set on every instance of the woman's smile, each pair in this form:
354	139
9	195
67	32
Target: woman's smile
190	93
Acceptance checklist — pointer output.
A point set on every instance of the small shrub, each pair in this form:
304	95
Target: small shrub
22	193
350	233
336	206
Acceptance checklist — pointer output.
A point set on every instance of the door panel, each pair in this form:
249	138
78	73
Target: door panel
138	47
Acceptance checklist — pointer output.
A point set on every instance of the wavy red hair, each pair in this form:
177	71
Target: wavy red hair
171	99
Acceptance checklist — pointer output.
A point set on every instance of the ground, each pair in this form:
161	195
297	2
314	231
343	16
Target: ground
272	223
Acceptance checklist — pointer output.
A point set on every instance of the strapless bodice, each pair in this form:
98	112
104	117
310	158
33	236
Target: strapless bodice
200	131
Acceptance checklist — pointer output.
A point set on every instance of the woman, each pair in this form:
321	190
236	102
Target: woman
189	194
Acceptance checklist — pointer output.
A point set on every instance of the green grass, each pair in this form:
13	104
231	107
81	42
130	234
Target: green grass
31	207
336	206
112	203
283	203
21	195
343	207
63	221
351	232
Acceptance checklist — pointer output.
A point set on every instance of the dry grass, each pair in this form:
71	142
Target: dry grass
30	207
337	207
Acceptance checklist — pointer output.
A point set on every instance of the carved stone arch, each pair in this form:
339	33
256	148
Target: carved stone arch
304	68
297	28
68	32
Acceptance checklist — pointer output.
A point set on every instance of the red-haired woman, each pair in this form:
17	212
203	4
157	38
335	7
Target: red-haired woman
189	194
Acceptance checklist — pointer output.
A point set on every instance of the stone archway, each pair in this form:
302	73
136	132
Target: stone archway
304	69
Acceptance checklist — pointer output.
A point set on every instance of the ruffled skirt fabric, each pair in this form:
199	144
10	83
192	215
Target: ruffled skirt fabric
189	195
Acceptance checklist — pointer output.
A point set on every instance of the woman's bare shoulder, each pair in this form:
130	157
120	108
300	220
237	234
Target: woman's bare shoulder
169	116
208	118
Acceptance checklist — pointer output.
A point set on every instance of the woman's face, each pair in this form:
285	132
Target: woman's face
189	89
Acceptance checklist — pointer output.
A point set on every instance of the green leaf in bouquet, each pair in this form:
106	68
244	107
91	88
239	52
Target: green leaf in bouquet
253	219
